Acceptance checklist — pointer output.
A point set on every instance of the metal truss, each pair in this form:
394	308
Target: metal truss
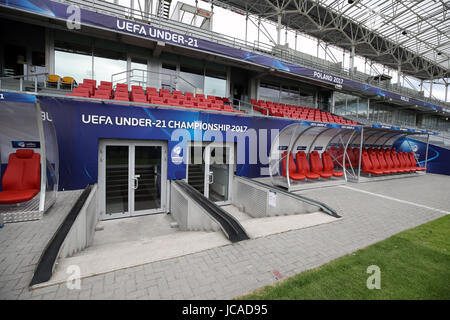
412	36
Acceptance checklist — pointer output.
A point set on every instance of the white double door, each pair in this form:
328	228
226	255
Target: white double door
132	178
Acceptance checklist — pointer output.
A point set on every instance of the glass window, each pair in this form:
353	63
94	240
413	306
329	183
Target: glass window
269	92
139	72
362	108
352	105
76	65
216	87
215	80
289	95
340	102
107	63
307	99
191	77
323	100
168	75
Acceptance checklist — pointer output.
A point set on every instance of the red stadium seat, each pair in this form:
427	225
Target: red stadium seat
317	166
367	166
376	164
121	87
411	166
151	91
389	162
171	102
188	104
356	156
413	160
403	165
163	92
341	157
292	168
334	155
22	178
382	161
106	84
303	166
155	100
328	166
351	157
395	160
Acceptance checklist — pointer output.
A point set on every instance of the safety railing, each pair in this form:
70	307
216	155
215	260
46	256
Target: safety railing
22	80
364	120
257	47
144	78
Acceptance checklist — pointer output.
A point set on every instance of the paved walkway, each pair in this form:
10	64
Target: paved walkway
233	270
22	243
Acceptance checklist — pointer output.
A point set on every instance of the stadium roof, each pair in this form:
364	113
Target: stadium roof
413	33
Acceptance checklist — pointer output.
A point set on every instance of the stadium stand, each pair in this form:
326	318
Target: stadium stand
297	112
105	90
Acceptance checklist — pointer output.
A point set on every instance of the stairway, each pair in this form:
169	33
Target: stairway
164	8
196	177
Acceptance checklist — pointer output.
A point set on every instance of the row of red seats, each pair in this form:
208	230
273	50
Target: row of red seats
297	112
338	156
302	169
175	98
353	156
388	161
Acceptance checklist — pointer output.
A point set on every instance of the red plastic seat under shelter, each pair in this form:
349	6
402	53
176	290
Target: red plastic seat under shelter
22	178
317	166
328	166
408	164
382	162
403	165
413	160
292	167
367	165
303	166
376	164
389	162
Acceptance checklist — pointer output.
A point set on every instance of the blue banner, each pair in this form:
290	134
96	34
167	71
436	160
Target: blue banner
17	97
80	125
438	158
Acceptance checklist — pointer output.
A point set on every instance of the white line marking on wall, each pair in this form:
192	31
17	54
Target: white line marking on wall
395	199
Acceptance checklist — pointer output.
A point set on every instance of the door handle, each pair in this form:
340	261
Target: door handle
211	177
136	182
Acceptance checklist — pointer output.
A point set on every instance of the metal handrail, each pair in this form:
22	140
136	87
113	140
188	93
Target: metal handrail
257	47
128	79
240	104
22	77
356	117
